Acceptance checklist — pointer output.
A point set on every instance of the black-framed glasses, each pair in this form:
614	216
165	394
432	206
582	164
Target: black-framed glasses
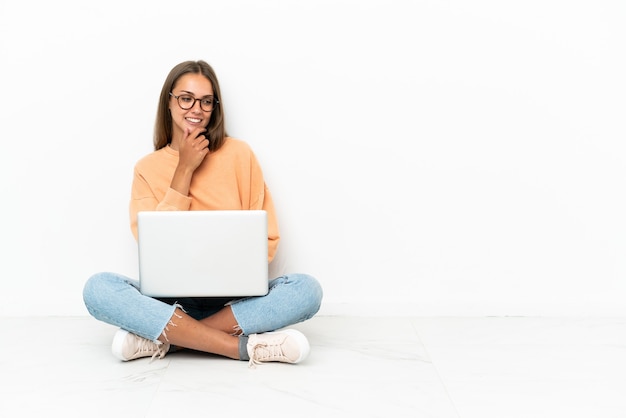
187	101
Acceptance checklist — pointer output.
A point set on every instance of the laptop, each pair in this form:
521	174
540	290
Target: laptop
215	253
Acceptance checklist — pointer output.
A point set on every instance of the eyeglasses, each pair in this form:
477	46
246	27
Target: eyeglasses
186	102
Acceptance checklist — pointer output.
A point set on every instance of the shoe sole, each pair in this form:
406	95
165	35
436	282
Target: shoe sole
118	343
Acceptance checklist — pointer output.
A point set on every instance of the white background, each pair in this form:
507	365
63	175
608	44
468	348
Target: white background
426	157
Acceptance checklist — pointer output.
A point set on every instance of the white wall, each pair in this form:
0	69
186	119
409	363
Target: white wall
426	157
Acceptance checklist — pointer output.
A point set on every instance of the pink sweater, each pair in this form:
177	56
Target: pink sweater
229	178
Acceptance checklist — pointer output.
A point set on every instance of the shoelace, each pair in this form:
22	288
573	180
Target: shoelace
147	345
263	352
159	352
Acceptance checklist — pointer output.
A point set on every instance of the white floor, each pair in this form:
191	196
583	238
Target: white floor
358	367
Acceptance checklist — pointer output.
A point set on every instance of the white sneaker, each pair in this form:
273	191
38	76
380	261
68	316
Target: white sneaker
286	346
127	346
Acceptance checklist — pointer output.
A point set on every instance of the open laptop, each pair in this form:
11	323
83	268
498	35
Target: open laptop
203	253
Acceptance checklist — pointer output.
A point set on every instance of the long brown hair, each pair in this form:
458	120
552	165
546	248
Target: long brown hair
216	129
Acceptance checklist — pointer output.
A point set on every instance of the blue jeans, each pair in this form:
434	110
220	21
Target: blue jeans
115	299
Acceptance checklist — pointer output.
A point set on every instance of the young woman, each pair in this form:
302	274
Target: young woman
197	166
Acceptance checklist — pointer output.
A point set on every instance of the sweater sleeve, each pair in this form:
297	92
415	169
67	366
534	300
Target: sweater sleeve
273	235
261	199
144	199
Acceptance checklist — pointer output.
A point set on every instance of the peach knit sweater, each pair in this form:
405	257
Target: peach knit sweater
229	178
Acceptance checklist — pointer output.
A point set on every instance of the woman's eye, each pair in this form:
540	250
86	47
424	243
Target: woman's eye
186	99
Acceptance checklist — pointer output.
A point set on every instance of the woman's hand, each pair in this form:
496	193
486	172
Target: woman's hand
192	150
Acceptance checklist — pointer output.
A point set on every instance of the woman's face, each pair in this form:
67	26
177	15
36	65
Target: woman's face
188	88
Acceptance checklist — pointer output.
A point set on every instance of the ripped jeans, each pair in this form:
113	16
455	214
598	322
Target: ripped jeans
116	300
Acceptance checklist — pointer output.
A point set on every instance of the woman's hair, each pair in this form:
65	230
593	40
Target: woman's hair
216	129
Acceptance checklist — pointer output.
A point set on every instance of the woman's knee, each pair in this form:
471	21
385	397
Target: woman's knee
309	292
99	287
96	284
